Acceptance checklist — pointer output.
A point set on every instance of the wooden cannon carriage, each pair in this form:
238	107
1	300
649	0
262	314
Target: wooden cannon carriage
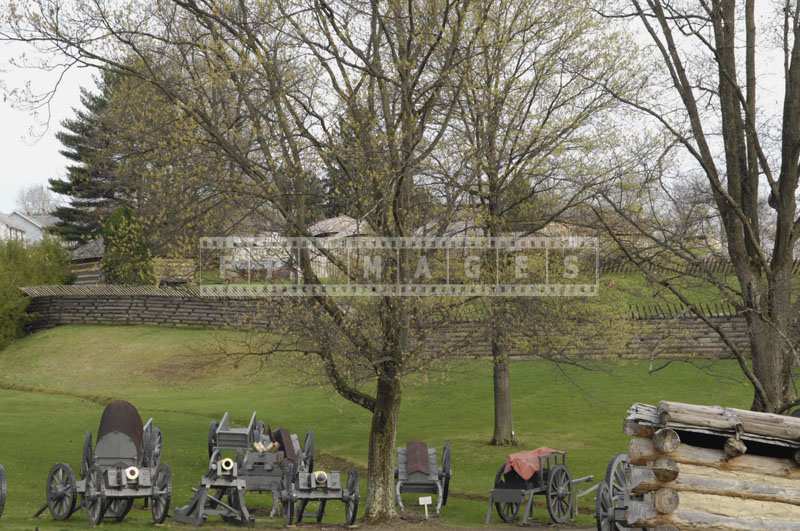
418	471
257	459
241	460
321	487
704	467
3	489
125	464
528	474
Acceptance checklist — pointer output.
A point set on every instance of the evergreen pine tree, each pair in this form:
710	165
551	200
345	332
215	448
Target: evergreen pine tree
90	175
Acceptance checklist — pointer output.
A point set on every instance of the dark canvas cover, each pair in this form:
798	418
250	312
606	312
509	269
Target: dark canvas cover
122	417
417	460
284	440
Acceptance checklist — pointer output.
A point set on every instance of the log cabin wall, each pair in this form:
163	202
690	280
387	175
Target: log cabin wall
745	476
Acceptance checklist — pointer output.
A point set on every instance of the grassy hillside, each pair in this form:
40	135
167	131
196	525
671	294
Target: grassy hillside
52	386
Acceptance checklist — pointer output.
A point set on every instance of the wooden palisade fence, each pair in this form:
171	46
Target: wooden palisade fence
712	468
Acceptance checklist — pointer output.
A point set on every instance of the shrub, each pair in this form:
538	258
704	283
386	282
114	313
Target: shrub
44	263
127	258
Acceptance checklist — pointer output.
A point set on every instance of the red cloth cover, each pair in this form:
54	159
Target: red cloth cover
526	464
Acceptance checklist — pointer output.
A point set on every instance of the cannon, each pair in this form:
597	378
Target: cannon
242	460
321	487
538	472
418	471
124	464
3	489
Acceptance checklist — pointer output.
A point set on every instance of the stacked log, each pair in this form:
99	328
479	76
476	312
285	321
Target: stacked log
720	486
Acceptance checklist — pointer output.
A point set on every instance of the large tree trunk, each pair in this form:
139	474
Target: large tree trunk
773	360
382	439
503	418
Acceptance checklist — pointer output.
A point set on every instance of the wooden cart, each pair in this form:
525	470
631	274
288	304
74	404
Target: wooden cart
552	480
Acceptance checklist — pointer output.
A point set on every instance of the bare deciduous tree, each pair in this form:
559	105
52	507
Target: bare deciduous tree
36	200
531	120
269	84
704	94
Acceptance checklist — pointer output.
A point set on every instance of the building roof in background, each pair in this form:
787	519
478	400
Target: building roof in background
44	220
9	221
458	228
339	226
89	251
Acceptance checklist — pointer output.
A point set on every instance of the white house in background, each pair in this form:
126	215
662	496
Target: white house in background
19	226
336	228
11	229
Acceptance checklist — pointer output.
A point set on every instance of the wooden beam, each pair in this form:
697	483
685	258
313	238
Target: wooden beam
729	419
721	513
642	450
705	480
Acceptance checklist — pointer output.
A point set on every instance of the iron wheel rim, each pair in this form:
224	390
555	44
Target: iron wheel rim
3	489
507	511
447	472
88	458
160	501
61	492
95	500
559	494
618	485
351	506
212	437
308	451
118	508
603	509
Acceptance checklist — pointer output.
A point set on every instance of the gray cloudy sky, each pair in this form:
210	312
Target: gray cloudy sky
28	147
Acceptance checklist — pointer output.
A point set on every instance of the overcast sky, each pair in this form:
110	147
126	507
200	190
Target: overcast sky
28	148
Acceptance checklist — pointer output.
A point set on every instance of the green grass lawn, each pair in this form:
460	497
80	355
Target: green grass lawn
53	382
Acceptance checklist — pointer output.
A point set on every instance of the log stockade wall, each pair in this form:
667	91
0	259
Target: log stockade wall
681	337
710	467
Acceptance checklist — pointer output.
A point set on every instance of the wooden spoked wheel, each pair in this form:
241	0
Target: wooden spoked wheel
118	509
3	489
212	437
94	500
308	453
62	494
447	472
604	509
162	493
351	503
559	494
87	460
507	511
617	491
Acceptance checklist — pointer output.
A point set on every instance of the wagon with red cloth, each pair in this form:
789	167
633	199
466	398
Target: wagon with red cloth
537	472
